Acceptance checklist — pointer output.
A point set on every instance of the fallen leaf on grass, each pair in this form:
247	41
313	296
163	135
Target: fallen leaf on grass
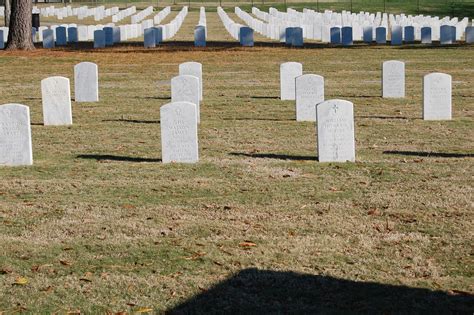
65	262
373	211
142	310
195	256
20	281
459	292
47	289
247	244
5	270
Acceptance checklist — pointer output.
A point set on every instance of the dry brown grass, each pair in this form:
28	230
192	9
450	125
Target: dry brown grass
98	224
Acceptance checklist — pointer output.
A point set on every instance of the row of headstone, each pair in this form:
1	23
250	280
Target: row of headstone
179	119
200	31
360	27
82	12
161	15
242	33
308	89
437	95
15	127
137	18
187	86
56	93
123	14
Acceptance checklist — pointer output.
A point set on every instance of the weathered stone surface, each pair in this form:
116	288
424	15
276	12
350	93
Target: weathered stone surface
179	139
15	135
336	141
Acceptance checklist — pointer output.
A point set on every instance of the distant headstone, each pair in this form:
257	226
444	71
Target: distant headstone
453	33
426	35
437	96
309	93
469	35
48	38
99	39
185	88
393	79
446	35
409	34
397	36
289	71
336	141
335	35
15	135
381	35
86	82
61	36
289	35
246	36
368	34
72	35
56	96
83	33
179	139
194	69
158	35
116	34
200	36
297	37
149	38
109	36
347	36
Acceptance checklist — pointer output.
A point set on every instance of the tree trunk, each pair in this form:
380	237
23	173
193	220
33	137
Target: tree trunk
19	35
8	9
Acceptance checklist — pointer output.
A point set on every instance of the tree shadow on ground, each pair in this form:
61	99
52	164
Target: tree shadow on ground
118	158
431	154
276	156
253	291
134	121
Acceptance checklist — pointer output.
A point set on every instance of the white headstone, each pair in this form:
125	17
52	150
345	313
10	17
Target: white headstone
86	82
15	135
309	93
288	73
185	88
179	139
56	95
393	79
437	96
195	69
336	141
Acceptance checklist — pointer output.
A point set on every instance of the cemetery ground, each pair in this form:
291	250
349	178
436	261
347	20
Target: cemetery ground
99	224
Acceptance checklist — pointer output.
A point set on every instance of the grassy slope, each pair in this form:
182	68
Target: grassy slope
99	224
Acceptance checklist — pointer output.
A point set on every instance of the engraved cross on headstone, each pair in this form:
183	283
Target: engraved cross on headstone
335	107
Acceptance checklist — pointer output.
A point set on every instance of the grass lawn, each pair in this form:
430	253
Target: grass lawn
98	224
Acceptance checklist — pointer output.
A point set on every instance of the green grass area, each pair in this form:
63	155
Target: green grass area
99	225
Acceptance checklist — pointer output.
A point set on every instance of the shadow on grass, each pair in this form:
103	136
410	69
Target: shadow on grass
254	291
134	121
258	119
155	98
214	46
118	158
384	117
276	156
431	154
265	97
